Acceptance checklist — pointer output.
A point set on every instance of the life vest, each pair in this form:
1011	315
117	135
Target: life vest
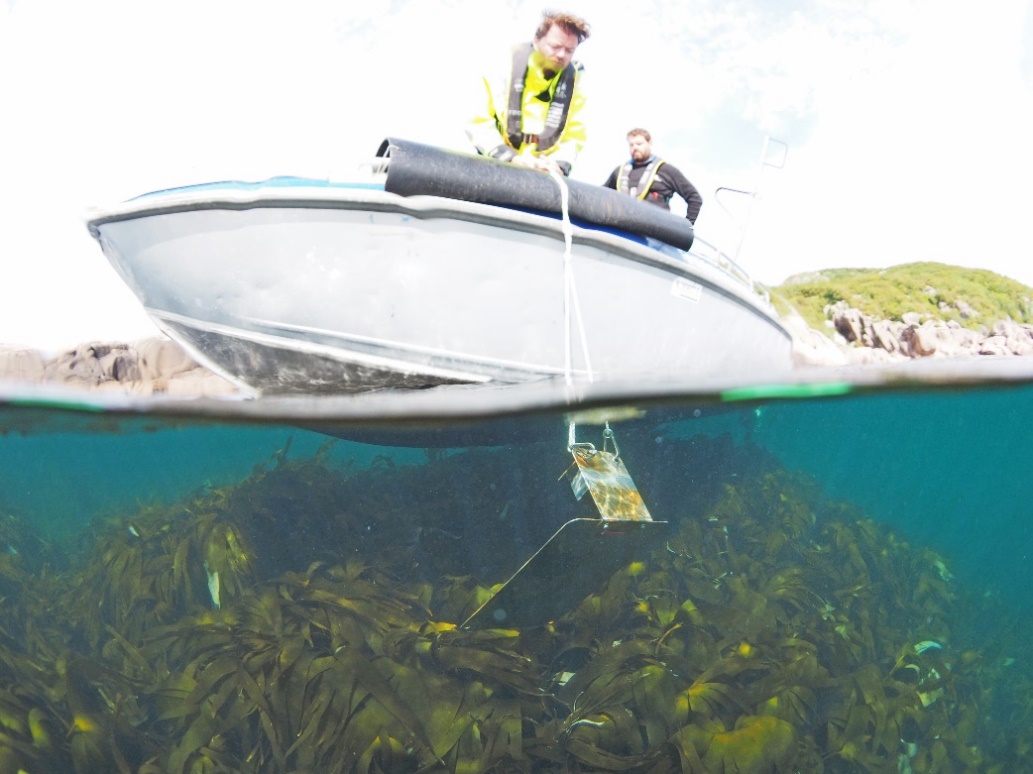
644	183
559	105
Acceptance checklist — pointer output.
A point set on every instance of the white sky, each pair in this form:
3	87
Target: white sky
909	122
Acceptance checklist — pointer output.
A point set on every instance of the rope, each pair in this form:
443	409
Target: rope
570	297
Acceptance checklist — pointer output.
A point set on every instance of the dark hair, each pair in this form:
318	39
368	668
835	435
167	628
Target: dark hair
640	132
575	25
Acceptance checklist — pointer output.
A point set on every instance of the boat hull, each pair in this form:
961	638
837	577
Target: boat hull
355	289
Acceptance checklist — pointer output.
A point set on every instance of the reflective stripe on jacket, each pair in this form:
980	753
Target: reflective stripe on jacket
645	182
559	137
560	93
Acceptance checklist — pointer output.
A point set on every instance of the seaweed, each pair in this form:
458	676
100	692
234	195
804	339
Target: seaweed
305	619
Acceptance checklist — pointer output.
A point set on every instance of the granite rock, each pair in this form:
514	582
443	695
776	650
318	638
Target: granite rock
155	366
856	337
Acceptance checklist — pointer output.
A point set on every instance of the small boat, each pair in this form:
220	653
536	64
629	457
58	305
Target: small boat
435	267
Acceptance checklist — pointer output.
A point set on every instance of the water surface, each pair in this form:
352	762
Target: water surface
842	585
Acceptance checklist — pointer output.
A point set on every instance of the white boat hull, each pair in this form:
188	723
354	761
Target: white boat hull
346	289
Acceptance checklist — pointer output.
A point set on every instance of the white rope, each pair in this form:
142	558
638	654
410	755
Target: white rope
570	297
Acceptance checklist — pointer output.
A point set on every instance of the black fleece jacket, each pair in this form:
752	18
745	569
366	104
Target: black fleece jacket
668	181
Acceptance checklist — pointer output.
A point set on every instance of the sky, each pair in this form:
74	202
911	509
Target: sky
907	124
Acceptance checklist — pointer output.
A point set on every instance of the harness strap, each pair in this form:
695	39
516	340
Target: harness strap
645	182
559	104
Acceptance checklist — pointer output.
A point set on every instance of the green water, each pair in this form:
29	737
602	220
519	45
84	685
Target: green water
757	492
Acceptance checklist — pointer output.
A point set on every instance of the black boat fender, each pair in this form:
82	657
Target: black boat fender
425	170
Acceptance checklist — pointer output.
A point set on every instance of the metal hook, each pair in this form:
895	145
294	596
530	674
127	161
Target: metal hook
610	438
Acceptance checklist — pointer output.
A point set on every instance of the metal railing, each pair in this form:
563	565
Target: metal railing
776	161
716	258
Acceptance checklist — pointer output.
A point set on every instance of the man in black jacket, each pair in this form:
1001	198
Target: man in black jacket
651	179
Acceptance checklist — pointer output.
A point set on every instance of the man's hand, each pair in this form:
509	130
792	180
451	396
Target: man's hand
538	163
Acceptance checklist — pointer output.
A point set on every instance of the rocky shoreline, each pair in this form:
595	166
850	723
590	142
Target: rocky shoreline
159	366
153	366
853	338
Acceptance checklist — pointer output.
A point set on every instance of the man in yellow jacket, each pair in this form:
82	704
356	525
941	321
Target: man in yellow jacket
534	114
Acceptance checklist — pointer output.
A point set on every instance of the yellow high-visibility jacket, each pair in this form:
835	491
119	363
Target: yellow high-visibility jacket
489	130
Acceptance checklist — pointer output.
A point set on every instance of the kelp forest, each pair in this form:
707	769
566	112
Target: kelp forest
309	619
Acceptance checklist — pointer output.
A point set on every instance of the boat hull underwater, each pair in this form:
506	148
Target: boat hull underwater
446	268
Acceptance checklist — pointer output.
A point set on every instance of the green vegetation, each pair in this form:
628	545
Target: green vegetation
266	627
975	298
